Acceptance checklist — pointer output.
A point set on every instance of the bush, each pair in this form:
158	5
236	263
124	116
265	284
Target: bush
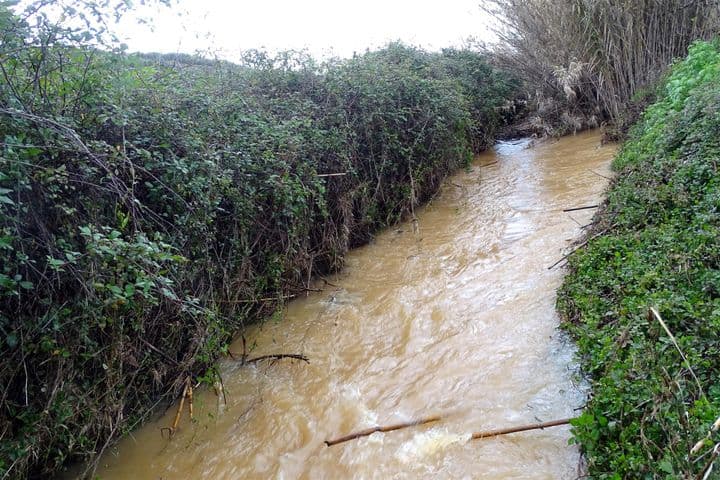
151	206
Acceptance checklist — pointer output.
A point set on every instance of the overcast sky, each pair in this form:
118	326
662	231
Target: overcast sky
324	27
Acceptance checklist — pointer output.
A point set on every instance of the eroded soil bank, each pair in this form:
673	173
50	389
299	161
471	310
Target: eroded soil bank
457	319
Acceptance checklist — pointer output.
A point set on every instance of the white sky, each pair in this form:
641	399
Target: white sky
324	27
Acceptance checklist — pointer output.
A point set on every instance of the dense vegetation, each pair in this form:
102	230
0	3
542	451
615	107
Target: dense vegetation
150	206
656	245
587	62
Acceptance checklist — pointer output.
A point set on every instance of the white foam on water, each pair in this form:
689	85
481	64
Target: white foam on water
427	444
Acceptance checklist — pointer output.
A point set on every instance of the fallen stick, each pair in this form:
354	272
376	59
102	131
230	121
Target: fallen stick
190	398
279	356
575	209
390	428
565	257
599	174
179	410
522	428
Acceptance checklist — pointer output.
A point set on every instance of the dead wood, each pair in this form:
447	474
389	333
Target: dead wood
278	356
575	209
522	428
565	257
390	428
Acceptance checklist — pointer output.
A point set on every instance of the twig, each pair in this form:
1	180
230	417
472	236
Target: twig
576	222
265	299
278	356
370	431
672	338
179	410
707	469
327	282
220	388
523	428
587	207
190	398
599	174
565	257
340	174
163	354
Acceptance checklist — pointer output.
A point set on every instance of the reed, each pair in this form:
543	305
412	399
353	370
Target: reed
595	60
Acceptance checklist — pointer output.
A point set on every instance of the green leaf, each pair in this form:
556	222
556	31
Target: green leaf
11	340
6	281
6	243
55	264
665	465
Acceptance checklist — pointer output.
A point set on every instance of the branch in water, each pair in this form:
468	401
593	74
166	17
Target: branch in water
371	430
279	356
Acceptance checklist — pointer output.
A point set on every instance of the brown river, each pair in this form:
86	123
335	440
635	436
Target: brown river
455	319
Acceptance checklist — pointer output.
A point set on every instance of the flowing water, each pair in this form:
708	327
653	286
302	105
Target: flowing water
455	318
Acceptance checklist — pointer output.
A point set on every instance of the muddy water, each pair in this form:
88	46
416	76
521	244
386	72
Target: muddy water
456	319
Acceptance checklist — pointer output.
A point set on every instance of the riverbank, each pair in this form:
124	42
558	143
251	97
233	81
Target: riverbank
655	245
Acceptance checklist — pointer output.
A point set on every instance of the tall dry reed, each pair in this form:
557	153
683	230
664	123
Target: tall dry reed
597	59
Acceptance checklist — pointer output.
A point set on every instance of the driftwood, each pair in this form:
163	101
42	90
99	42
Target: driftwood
575	209
390	428
522	428
475	436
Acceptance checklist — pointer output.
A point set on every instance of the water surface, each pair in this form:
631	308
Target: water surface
455	319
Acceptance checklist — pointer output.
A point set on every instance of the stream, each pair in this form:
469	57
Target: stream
455	318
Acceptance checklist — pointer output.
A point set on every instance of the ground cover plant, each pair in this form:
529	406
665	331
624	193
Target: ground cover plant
151	206
653	410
